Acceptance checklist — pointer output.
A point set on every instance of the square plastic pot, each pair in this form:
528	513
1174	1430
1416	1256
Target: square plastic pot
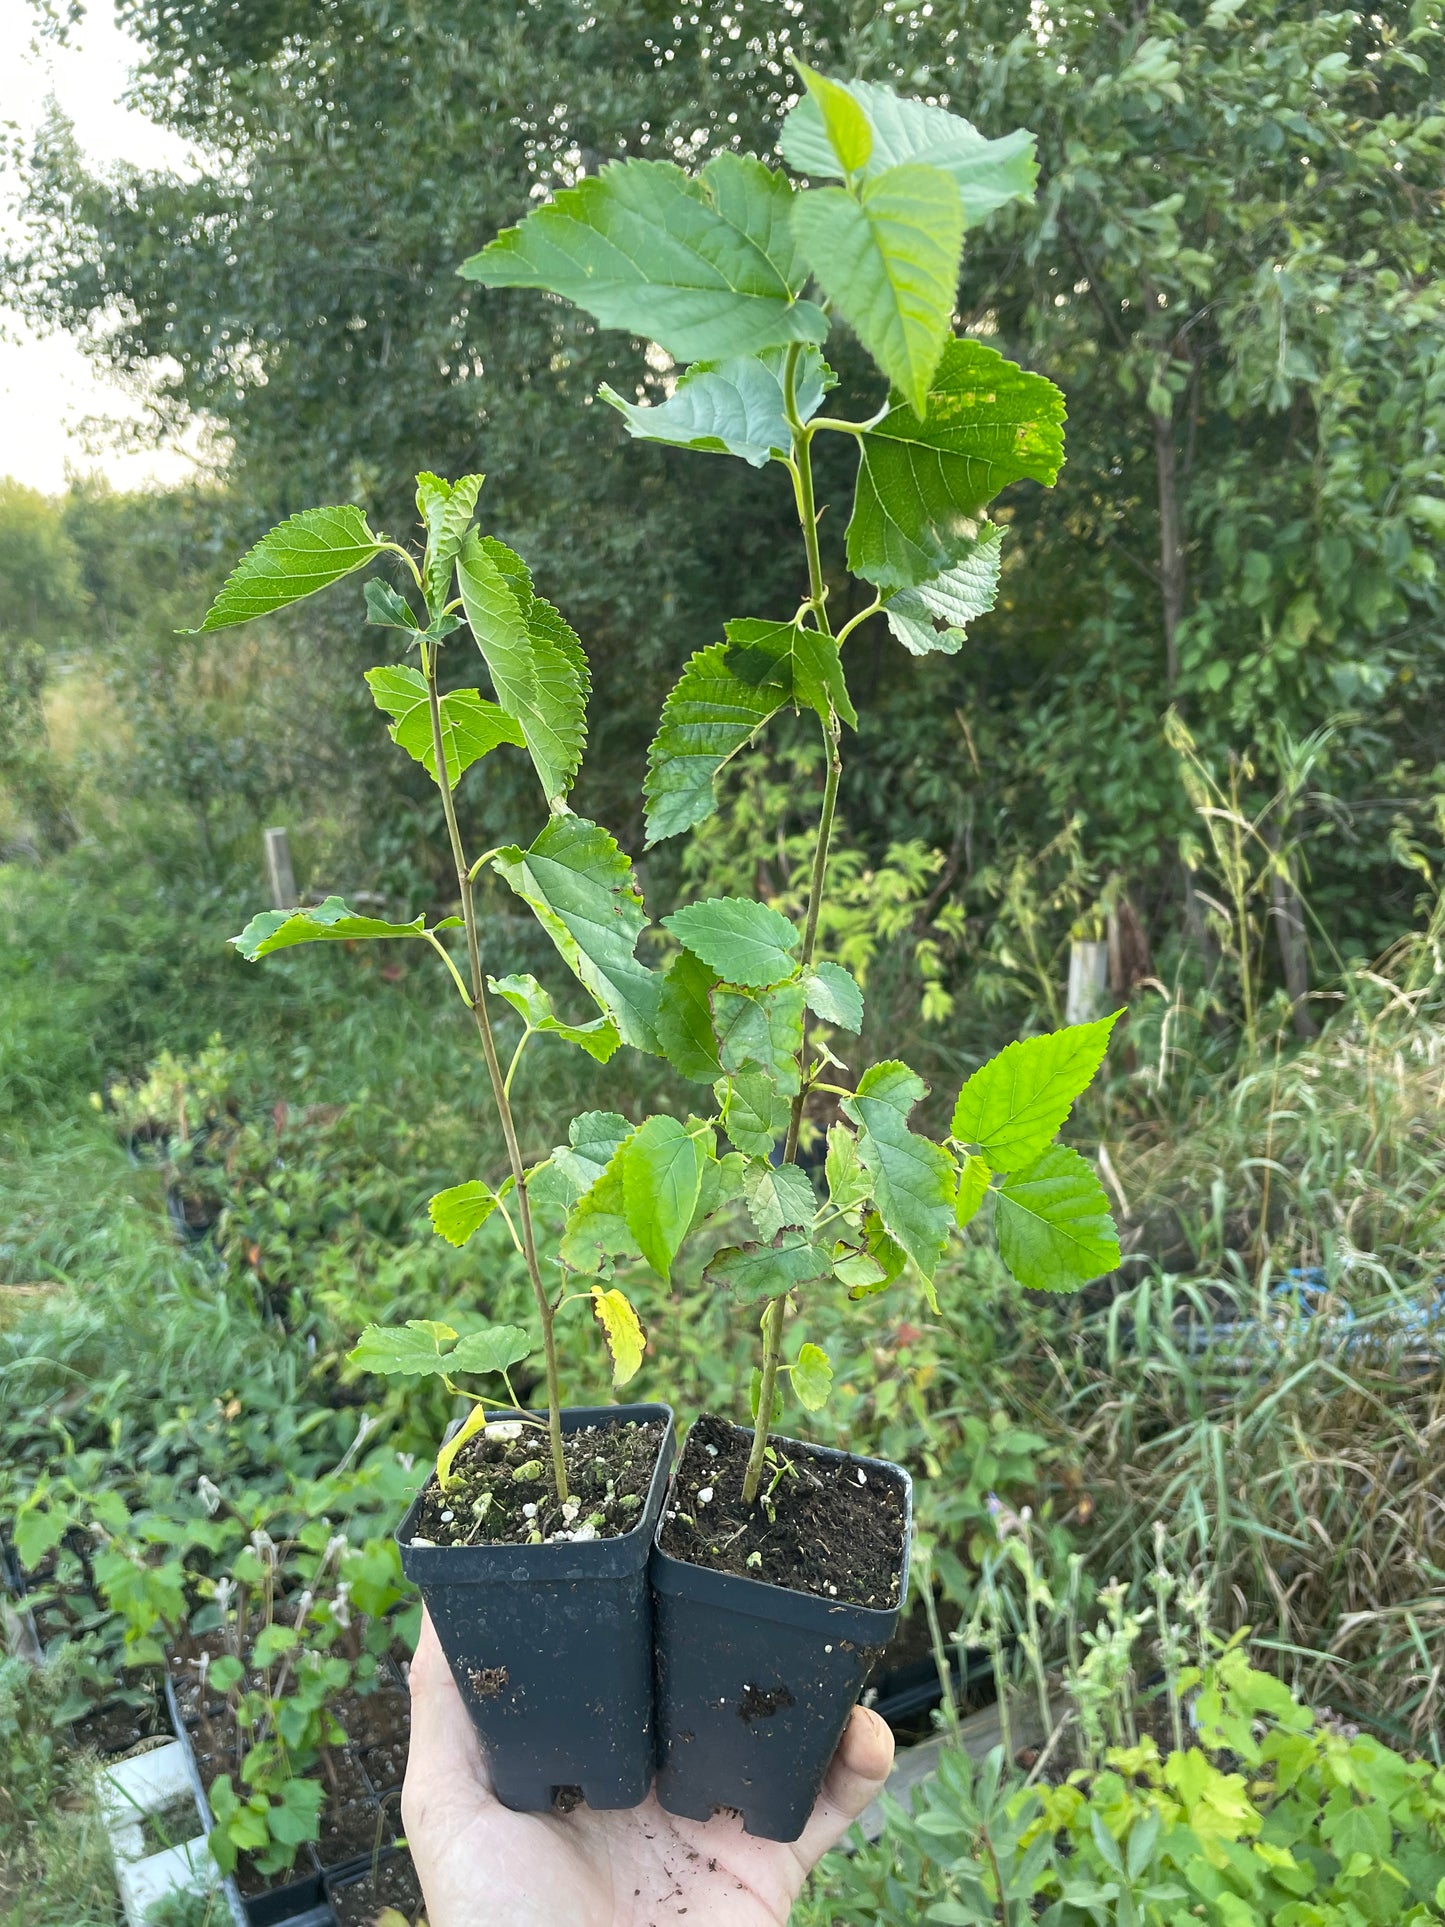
551	1646
755	1682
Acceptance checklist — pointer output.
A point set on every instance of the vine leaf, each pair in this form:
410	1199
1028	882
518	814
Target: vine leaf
533	1005
925	474
623	1331
833	995
914	1181
462	1210
954	598
988	173
1052	1220
731	407
662	1168
471	726
1013	1106
537	666
328	922
303	554
581	888
703	265
887	257
812	1377
745	942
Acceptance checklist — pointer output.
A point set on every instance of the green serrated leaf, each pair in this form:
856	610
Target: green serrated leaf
581	888
731	407
842	121
973	1177
957	597
753	1114
812	1377
925	477
861	1273
574	1167
414	1350
596	1230
300	556
385	609
1053	1224
705	265
988	173
754	1271
447	509
599	1039
914	1181
328	922
622	1328
849	1185
496	1349
778	1195
534	667
684	1020
1013	1105
833	995
803	665
471	726
457	1213
662	1167
745	942
887	257
760	1031
708	717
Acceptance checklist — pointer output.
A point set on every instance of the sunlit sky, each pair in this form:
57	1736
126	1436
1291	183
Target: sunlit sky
47	387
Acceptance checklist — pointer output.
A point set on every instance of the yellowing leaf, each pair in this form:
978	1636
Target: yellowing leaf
623	1331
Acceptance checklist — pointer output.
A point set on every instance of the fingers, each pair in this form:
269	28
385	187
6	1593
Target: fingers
860	1766
446	1777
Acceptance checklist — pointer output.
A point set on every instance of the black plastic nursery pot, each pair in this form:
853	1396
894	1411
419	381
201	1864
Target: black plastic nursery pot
756	1682
551	1646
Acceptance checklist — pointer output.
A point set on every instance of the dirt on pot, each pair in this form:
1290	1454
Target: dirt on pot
501	1492
830	1527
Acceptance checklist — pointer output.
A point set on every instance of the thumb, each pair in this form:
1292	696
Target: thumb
860	1767
446	1776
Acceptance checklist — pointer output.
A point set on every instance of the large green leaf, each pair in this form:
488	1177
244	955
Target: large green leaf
754	1271
662	1167
704	265
305	553
731	407
684	1020
887	258
847	136
955	598
745	942
914	1180
471	726
447	509
582	890
753	1114
1053	1224
1014	1104
988	173
924	479
423	1347
536	663
328	922
761	1030
708	717
802	664
534	1005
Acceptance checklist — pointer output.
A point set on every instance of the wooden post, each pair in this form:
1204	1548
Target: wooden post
1088	981
279	871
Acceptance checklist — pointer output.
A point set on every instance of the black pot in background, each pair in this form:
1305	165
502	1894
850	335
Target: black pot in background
551	1646
755	1682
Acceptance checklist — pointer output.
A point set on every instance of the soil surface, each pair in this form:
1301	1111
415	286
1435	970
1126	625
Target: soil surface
394	1884
502	1494
832	1527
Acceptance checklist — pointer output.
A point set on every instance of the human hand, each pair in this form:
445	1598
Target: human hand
480	1863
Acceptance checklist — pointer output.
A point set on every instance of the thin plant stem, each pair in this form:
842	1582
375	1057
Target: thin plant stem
498	1082
940	1652
801	468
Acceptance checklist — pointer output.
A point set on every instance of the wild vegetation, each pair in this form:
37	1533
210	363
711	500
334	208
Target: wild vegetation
1199	717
